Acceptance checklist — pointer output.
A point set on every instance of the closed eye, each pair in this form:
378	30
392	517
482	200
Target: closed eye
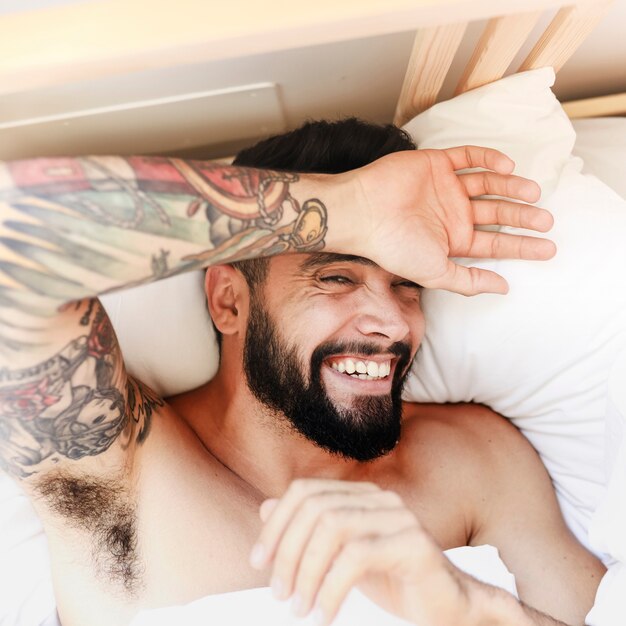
337	279
410	284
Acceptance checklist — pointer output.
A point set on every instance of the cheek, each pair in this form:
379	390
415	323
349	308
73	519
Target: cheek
314	322
326	316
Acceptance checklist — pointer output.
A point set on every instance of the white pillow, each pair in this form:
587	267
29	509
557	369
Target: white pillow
165	333
542	354
601	143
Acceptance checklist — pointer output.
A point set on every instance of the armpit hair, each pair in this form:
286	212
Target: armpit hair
106	511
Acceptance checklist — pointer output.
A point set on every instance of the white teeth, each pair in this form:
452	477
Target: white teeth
365	370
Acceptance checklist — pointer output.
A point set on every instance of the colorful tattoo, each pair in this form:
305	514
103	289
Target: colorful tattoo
73	405
72	229
71	219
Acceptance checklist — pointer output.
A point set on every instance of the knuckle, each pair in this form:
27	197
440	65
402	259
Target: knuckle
486	180
329	519
356	551
299	486
495	246
469	155
502	211
313	504
392	497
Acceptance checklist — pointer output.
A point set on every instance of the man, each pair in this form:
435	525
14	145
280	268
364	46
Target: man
148	503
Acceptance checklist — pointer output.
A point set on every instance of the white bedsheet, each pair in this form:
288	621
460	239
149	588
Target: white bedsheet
26	595
608	525
257	606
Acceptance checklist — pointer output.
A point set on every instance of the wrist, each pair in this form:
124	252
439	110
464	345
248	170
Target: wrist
341	196
496	607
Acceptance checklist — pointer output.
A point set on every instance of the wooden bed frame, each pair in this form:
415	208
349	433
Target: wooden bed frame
118	37
502	38
613	105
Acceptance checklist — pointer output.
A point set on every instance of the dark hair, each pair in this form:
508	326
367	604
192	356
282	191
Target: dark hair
326	147
320	147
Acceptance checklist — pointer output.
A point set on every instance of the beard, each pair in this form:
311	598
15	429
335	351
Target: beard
368	429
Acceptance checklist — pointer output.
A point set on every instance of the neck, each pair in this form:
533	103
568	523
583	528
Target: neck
251	441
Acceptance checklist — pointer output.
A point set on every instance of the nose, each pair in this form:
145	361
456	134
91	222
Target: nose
381	314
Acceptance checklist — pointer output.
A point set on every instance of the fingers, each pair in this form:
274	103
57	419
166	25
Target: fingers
468	281
330	514
375	555
358	558
504	246
495	184
512	214
308	530
283	512
476	156
336	529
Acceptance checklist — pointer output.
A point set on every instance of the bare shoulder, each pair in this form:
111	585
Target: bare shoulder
479	460
473	433
472	454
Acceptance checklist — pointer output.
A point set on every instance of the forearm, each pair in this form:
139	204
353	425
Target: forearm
73	229
76	228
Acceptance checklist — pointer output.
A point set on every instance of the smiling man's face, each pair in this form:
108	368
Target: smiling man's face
329	342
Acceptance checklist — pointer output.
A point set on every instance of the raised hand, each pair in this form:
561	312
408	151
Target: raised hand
416	211
325	536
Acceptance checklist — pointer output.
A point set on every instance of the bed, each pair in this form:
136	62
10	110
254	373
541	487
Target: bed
71	105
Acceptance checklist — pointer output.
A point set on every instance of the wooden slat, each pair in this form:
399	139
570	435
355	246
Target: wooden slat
565	33
431	57
597	107
498	45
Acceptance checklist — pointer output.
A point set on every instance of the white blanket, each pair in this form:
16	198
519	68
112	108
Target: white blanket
26	595
257	606
608	525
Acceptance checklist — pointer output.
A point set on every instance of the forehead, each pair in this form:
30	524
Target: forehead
311	262
302	265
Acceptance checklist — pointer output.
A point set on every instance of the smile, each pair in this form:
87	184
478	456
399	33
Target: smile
362	368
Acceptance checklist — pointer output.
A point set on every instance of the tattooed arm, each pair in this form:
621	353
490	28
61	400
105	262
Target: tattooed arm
89	225
75	228
71	229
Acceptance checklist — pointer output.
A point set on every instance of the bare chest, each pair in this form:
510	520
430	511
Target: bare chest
194	525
